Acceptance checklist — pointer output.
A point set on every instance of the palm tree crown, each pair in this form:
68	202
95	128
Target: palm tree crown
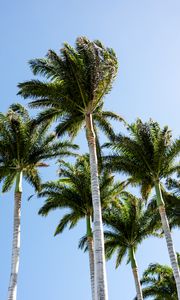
24	146
77	81
73	190
129	224
148	154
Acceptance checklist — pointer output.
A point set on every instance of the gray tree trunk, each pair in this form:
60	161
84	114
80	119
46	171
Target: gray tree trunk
135	274
12	290
169	241
91	264
90	244
137	284
99	257
172	253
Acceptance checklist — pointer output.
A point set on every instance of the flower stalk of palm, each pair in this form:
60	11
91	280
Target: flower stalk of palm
78	80
73	191
129	224
148	156
23	148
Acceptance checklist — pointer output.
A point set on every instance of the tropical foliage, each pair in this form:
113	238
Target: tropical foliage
71	93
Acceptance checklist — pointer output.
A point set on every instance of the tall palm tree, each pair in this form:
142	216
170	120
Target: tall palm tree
23	148
149	155
159	283
73	191
76	82
129	224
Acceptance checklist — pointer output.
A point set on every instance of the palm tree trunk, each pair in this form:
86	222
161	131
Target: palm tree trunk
135	274
99	257
12	290
169	241
91	254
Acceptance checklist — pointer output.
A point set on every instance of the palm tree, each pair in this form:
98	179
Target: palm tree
159	283
129	224
73	191
77	81
23	148
149	155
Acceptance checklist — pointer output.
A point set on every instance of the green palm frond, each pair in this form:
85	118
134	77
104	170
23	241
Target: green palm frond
69	192
8	181
70	219
83	243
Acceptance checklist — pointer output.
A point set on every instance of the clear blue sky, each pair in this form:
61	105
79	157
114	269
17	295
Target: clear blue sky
146	37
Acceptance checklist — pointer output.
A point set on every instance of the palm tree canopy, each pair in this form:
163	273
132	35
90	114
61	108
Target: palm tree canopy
129	224
24	146
148	154
76	81
73	191
159	283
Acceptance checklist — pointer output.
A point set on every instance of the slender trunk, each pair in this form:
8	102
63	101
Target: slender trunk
135	274
91	254
99	257
169	241
12	290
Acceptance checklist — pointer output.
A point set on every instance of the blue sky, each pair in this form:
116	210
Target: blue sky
146	38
